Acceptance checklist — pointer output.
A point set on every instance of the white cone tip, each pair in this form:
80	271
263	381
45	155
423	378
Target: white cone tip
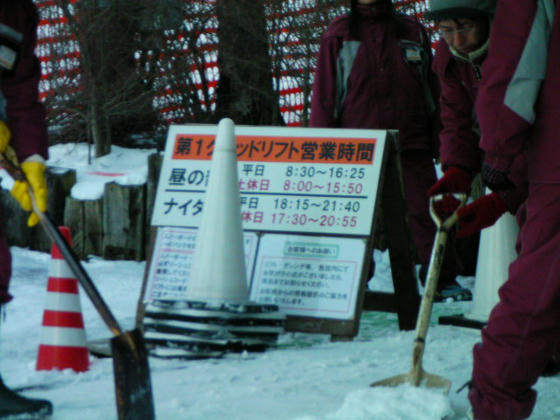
225	138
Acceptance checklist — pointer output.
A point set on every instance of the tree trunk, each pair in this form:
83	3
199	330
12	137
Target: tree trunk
245	93
100	129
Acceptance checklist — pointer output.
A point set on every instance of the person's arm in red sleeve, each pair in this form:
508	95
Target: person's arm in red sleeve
458	141
513	73
486	210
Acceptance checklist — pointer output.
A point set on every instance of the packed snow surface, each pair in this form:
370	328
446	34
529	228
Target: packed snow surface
306	377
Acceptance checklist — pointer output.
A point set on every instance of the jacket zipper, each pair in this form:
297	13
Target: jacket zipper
477	72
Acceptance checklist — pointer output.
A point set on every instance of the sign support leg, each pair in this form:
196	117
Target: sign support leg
406	300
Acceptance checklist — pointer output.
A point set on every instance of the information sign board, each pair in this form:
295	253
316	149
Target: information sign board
314	276
308	200
290	179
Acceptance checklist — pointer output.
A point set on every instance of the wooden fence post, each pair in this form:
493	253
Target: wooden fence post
14	221
154	167
124	213
85	220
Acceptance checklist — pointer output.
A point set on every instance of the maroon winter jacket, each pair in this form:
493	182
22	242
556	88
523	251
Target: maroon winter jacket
25	114
519	101
380	79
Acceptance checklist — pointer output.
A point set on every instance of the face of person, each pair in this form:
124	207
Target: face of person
464	35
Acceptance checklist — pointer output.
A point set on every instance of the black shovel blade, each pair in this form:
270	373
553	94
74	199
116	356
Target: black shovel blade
132	376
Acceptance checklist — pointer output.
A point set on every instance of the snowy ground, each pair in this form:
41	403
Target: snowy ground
306	377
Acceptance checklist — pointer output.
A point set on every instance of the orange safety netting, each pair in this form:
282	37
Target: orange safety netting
294	28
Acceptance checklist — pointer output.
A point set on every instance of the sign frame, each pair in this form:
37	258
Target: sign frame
389	196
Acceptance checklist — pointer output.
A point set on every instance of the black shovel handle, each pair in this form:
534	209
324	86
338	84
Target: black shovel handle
66	251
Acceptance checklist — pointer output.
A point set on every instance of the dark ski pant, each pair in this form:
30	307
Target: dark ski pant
523	329
419	175
5	263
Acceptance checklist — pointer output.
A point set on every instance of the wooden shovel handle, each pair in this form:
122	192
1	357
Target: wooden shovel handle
451	220
432	277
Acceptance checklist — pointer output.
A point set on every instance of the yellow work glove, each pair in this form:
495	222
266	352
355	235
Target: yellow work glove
35	175
5	136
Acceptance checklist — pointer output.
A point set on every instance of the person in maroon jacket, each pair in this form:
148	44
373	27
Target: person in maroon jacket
373	71
23	128
464	27
519	109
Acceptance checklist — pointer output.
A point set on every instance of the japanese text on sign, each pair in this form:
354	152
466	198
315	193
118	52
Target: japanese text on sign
297	180
172	258
280	149
309	276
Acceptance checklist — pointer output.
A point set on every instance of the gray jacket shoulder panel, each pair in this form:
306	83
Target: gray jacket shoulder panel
524	87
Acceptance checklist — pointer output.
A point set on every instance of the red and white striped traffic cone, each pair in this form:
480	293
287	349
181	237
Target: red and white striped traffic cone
63	339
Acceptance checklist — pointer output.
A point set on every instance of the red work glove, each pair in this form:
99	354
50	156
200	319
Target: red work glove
480	214
454	180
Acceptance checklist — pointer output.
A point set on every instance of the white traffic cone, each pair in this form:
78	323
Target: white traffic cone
63	338
495	253
218	267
